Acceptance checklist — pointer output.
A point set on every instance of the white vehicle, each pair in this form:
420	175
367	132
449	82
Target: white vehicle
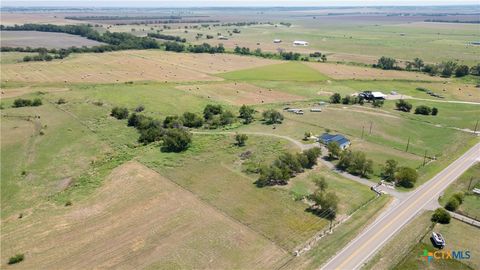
438	239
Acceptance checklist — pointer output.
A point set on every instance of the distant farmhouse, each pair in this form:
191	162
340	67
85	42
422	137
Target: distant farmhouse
277	41
300	43
368	95
327	138
223	38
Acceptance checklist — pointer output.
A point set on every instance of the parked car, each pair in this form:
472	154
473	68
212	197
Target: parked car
438	239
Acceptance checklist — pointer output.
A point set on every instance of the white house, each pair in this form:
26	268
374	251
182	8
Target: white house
300	43
378	95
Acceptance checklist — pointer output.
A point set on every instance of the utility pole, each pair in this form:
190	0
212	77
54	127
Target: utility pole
408	144
424	158
371	124
476	125
363	130
471	178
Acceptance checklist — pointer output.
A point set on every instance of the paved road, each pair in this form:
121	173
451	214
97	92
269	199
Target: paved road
357	252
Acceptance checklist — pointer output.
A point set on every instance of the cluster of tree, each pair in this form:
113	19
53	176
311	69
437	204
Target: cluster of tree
455	201
325	204
425	110
240	139
287	24
215	116
445	69
167	37
453	21
321	56
145	22
337	99
401	176
21	102
354	162
441	216
386	63
43	56
202	48
119	112
272	116
405	106
115	41
286	166
174	136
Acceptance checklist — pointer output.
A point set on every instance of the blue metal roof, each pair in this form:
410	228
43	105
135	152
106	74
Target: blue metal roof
338	138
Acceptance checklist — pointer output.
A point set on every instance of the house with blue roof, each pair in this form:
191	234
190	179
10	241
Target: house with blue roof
341	140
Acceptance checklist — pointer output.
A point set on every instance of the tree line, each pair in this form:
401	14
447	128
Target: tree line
444	69
405	106
336	98
22	102
167	37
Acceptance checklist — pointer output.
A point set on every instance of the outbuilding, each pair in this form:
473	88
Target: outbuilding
300	43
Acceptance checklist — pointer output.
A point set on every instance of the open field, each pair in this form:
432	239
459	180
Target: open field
471	203
47	40
239	93
11	18
171	225
292	71
342	72
128	66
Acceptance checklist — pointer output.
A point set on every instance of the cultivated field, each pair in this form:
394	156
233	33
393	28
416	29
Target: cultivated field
239	93
138	219
36	39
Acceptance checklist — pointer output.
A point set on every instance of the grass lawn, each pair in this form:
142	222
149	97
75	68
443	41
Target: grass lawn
292	71
471	203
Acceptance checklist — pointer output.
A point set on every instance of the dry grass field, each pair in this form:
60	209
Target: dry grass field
20	91
343	72
129	66
239	93
9	18
47	40
138	219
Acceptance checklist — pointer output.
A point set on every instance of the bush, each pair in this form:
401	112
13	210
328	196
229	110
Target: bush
406	177
386	63
434	111
377	103
272	116
460	196
192	120
441	216
404	106
226	118
140	108
176	140
20	102
172	121
335	98
61	101
211	110
37	102
119	112
16	259
240	139
452	204
422	109
247	114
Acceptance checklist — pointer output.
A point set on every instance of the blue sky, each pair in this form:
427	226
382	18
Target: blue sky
237	2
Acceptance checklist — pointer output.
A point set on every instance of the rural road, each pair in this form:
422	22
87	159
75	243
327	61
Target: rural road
358	251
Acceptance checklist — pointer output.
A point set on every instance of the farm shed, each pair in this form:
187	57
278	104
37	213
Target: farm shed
327	138
300	43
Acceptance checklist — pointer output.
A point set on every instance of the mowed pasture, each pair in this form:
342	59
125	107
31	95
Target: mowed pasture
343	72
35	39
239	93
126	66
138	219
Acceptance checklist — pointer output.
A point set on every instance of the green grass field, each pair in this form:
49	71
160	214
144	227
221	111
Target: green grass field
293	71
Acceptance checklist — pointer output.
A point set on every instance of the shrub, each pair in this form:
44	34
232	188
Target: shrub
37	102
61	101
226	118
272	116
452	204
140	108
422	109
335	98
434	111
20	102
404	106
16	259
377	103
211	110
406	177
172	121
247	114
240	139
441	216
119	112
176	140
151	134
460	196
192	120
